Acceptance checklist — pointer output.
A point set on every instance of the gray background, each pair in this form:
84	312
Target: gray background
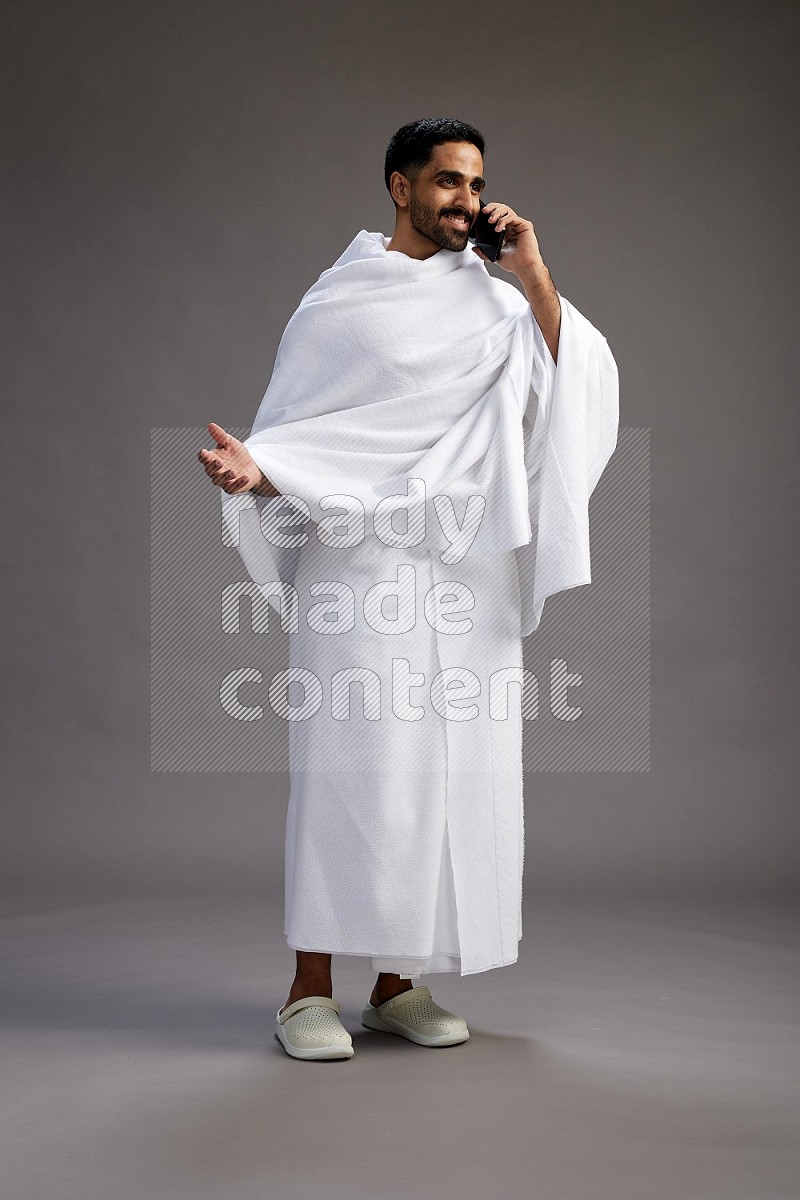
176	175
181	174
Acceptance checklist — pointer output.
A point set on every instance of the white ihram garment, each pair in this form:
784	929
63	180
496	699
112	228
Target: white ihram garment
405	834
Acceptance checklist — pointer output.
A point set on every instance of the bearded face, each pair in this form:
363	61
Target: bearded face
448	227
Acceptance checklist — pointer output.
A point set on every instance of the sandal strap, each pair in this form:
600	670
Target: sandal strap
307	1002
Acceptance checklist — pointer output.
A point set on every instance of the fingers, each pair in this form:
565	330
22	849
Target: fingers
213	464
224	477
238	484
230	482
500	215
497	209
219	435
210	460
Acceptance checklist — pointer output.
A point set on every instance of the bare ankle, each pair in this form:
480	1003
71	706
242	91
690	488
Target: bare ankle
312	976
310	985
387	986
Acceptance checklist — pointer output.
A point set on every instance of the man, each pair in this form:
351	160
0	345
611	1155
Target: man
411	381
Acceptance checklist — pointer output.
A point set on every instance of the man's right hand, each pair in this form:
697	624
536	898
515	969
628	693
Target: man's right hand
231	467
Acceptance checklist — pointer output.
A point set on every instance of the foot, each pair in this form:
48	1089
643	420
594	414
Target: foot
387	988
313	1030
417	1017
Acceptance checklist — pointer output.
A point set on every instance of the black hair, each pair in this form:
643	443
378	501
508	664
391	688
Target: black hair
411	147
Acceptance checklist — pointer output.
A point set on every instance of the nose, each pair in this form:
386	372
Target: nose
464	199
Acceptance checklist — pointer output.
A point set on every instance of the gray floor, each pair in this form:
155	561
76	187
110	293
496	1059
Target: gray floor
635	1052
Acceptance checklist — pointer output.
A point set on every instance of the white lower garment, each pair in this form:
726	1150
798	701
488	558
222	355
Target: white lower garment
405	838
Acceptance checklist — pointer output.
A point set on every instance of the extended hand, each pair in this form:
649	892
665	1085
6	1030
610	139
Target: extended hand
230	466
520	253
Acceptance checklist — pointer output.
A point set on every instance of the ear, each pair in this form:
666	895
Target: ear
400	188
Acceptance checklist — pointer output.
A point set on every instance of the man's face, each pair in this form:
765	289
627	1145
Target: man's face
445	198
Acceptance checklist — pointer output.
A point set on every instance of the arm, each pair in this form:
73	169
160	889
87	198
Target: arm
521	255
543	299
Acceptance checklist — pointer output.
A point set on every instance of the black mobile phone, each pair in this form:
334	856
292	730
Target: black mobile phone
485	236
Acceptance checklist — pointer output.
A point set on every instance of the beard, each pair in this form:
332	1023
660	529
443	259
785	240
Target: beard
428	221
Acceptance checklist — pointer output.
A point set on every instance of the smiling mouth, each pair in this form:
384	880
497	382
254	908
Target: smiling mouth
459	222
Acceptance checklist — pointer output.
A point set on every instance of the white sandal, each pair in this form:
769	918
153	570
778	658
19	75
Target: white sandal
310	1028
415	1015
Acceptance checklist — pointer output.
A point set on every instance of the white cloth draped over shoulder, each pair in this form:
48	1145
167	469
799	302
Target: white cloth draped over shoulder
394	368
391	370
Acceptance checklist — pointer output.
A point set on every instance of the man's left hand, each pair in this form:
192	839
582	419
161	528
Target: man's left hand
520	252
